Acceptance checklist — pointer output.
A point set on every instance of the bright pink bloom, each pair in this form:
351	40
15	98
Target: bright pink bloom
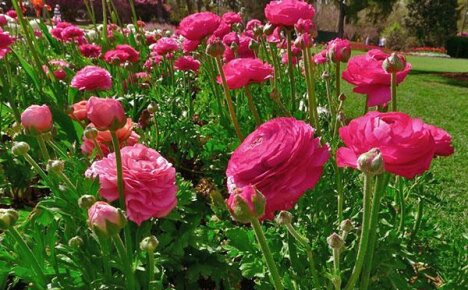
189	45
247	194
341	49
12	13
106	114
305	26
243	50
56	32
102	214
367	74
165	45
5	39
288	12
406	145
63	24
132	53
90	50
152	61
37	119
240	72
442	139
252	24
222	30
3	20
199	25
72	33
275	37
282	159
231	38
150	182
231	18
58	68
78	111
116	56
321	57
92	78
187	63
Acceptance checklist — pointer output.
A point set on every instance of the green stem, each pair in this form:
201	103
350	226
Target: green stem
401	200
104	242
252	106
275	277
418	221
338	80
336	267
310	255
291	72
150	268
228	99
56	149
32	261
364	238
156	127
309	76
340	196
393	91
36	167
381	182
68	181
104	22
42	145
124	256
98	148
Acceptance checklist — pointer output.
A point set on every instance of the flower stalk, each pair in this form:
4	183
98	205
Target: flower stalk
252	107
291	71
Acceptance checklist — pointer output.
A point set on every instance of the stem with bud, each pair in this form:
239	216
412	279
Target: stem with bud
393	91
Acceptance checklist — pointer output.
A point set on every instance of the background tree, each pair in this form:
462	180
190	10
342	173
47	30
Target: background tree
432	21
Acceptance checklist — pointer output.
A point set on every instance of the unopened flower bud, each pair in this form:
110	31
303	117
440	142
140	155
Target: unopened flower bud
347	225
268	29
8	218
325	75
334	241
371	162
284	218
86	201
215	48
152	108
75	242
55	166
90	133
20	148
246	203
106	220
149	244
393	63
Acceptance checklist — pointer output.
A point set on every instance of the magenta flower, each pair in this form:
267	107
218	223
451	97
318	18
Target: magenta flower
133	54
37	119
240	72
190	45
165	45
90	50
187	63
282	159
231	18
199	25
92	78
102	215
105	113
442	139
288	12
150	182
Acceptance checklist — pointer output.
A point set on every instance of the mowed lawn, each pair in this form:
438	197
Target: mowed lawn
438	98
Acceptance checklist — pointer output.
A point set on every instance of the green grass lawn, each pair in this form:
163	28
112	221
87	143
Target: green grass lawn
442	101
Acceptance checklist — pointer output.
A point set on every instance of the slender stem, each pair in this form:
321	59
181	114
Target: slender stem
104	21
30	257
98	148
366	108
393	91
228	99
42	145
291	71
156	127
338	79
150	268
36	167
128	271
381	182
252	106
401	200
340	196
104	242
336	268
418	221
56	148
310	254
68	181
364	238
312	104
275	277
134	15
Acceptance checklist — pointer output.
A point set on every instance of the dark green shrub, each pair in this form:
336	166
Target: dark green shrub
457	46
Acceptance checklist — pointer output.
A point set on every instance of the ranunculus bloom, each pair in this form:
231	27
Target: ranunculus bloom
78	111
288	12
150	182
222	30
152	62
282	159
199	25
72	33
187	63
133	55
406	145
12	13
90	50
341	49
189	45
3	20
105	114
231	18
367	74
5	39
92	78
245	195
58	68
442	139
240	72
275	37
321	57
165	45
230	38
37	119
101	215
305	26
243	50
116	56
251	24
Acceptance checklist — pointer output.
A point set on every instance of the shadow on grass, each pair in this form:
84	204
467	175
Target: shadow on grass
448	78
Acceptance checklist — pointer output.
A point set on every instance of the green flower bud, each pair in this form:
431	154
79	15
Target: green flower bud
393	63
334	241
284	218
55	166
215	48
86	201
347	225
75	242
149	244
246	203
8	218
90	133
152	108
20	148
371	162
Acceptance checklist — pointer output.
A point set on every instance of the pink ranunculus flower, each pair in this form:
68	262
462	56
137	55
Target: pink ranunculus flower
150	182
189	45
222	30
243	50
12	13
105	113
165	45
340	49
240	72
288	12
442	139
231	18
37	119
199	25
305	26
230	38
367	74
251	24
92	78
133	54
71	33
3	20
116	56
90	50
246	195
78	111
406	145
5	39
321	57
58	68
102	216
187	63
282	159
